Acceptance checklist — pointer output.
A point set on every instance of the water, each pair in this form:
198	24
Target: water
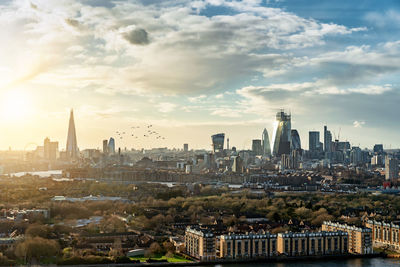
371	262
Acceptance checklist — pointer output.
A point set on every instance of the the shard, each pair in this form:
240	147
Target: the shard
72	146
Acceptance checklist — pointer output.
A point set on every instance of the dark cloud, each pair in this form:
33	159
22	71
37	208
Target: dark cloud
137	37
72	22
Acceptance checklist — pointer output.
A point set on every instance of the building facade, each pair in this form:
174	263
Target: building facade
200	244
265	143
384	234
313	243
239	246
360	238
391	169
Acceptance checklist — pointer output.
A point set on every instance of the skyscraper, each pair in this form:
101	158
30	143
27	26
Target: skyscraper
186	147
111	146
313	141
105	146
72	146
295	144
327	140
218	142
265	143
391	169
256	147
282	134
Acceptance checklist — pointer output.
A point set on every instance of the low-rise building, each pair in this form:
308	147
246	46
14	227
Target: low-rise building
253	245
384	234
312	243
200	244
360	238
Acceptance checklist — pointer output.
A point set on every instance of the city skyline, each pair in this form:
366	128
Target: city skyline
334	64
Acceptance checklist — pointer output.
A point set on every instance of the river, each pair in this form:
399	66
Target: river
366	262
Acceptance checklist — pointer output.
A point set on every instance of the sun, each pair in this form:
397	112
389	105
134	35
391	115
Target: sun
15	105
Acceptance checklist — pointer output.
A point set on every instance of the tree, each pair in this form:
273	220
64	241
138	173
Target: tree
37	248
155	248
35	230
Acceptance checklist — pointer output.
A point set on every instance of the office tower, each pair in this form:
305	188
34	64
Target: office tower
237	164
285	161
186	147
282	134
72	146
111	146
327	140
295	143
355	155
50	149
391	168
256	147
378	149
313	141
265	143
105	146
218	142
227	144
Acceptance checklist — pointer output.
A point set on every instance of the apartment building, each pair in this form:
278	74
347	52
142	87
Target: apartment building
360	238
253	245
384	234
200	244
312	243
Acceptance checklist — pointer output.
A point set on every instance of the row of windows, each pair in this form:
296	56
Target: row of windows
246	246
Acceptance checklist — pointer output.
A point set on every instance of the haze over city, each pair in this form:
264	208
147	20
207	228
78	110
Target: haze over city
195	68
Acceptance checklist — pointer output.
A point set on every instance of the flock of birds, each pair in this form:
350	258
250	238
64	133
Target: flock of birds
148	133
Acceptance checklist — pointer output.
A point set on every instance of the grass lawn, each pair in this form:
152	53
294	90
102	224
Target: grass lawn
175	258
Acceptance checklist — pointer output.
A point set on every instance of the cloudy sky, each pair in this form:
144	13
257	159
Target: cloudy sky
194	68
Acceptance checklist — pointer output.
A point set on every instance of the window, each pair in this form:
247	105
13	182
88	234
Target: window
228	250
239	250
263	246
273	244
256	246
246	247
345	244
329	244
319	244
296	245
286	245
312	244
336	244
303	245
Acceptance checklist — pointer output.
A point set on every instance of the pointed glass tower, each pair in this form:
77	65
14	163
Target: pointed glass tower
265	143
72	146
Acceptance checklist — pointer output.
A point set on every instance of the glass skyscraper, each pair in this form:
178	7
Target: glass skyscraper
282	134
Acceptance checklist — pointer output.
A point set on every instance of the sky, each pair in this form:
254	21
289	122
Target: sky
196	68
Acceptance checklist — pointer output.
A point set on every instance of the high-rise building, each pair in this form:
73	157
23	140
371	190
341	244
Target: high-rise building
391	168
218	142
256	147
378	149
295	144
313	143
282	134
327	140
265	143
72	146
105	146
186	147
111	146
50	149
237	164
355	155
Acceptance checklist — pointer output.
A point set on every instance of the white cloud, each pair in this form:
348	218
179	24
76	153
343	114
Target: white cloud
166	107
358	124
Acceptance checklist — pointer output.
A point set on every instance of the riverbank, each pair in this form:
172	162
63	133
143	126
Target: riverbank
278	259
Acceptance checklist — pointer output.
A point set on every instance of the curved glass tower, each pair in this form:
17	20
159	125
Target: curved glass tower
282	134
218	142
265	143
111	146
295	144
